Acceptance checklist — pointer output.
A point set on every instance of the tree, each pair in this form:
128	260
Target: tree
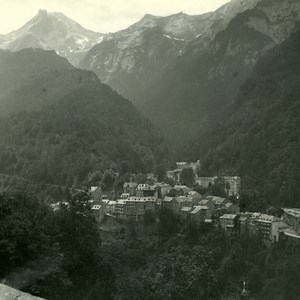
187	177
218	188
149	218
168	223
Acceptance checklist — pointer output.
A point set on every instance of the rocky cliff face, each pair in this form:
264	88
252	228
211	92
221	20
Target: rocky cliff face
131	60
8	293
52	31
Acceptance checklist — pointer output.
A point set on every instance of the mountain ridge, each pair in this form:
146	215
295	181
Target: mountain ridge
52	31
61	125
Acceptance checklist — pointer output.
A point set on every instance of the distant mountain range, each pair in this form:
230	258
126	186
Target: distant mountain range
132	60
53	31
61	125
201	85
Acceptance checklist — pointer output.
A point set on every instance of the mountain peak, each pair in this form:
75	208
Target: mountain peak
52	31
42	12
149	16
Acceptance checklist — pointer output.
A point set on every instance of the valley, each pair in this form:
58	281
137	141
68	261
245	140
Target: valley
160	161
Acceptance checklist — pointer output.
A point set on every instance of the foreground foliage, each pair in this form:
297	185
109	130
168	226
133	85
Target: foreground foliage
59	255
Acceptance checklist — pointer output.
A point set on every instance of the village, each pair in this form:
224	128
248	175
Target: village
188	204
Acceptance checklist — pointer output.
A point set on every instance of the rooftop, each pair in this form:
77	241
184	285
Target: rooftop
186	209
295	212
218	200
168	199
198	208
229	216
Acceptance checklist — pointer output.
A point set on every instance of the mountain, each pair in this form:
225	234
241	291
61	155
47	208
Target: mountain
259	138
131	60
53	31
60	125
200	86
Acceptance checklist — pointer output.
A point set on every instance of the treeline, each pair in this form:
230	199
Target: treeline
59	255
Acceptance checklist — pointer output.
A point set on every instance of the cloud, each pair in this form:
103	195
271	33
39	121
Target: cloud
102	16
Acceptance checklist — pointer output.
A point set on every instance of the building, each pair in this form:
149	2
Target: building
174	175
200	213
291	217
231	208
208	203
195	196
234	185
125	196
185	200
206	182
164	188
219	202
182	188
120	208
185	212
267	226
170	203
110	207
229	223
243	223
130	188
146	190
96	192
98	212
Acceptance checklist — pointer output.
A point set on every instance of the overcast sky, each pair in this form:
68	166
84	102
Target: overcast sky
99	15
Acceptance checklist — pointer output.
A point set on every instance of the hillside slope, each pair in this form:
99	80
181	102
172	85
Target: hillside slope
61	125
259	139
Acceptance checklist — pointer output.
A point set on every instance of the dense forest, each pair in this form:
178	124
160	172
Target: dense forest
259	139
60	255
62	126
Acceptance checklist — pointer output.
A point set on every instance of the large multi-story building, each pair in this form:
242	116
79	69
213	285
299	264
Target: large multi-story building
98	212
146	190
130	188
164	188
200	213
206	182
133	207
234	185
267	226
291	217
119	208
229	223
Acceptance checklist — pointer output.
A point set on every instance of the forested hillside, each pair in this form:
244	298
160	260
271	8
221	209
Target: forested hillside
62	126
259	139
